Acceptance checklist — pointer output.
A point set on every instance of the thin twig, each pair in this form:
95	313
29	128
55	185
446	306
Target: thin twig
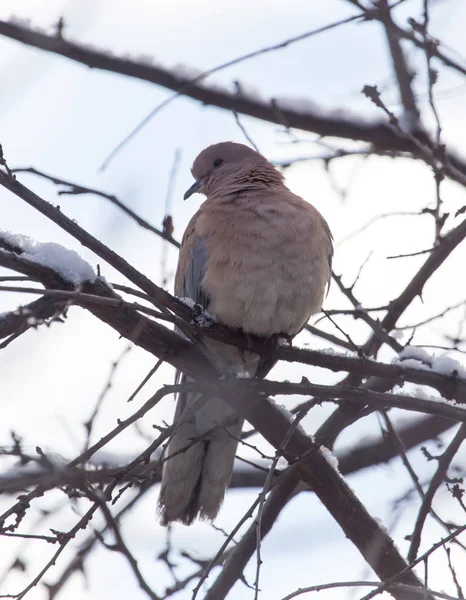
436	481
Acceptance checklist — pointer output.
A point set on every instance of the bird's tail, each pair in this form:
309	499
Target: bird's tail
200	458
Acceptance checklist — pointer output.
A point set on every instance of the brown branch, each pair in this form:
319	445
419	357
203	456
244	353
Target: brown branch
418	429
120	546
31	315
417	593
77	562
102	298
361	529
441	543
67	537
364	397
437	257
283	491
142	331
329	337
419	42
372	453
288	484
74	189
365	455
450	385
378	133
403	72
433	318
268	419
44	484
371	540
157	294
362	313
438	478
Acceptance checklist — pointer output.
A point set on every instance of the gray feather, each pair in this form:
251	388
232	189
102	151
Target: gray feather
191	283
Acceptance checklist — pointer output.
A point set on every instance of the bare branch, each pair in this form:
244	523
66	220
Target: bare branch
402	70
378	133
451	386
437	257
33	314
74	189
416	592
236	562
436	481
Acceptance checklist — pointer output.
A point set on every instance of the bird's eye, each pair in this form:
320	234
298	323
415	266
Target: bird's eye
218	162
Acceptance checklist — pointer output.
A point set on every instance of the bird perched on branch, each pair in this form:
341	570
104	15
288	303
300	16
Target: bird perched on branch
258	258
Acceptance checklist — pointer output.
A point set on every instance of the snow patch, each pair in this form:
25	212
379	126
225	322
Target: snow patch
418	358
200	317
333	352
416	353
422	394
330	458
67	263
413	363
188	301
104	280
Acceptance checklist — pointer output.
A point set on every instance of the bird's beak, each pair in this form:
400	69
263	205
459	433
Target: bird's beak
192	190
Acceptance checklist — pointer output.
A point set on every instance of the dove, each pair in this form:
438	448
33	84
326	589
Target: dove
258	258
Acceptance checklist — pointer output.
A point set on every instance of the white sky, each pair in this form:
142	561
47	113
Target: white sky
64	118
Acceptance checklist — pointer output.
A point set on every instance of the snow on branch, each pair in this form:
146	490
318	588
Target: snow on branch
450	387
418	358
66	263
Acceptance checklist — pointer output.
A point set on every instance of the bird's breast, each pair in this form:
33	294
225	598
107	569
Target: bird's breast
264	282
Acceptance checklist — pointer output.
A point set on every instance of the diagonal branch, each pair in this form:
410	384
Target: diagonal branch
418	41
23	318
157	294
314	469
306	118
403	72
436	258
372	541
438	478
288	484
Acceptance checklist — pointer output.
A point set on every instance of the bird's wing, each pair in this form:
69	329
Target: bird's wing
329	251
191	269
195	478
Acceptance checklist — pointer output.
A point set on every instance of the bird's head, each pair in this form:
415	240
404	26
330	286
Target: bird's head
221	165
